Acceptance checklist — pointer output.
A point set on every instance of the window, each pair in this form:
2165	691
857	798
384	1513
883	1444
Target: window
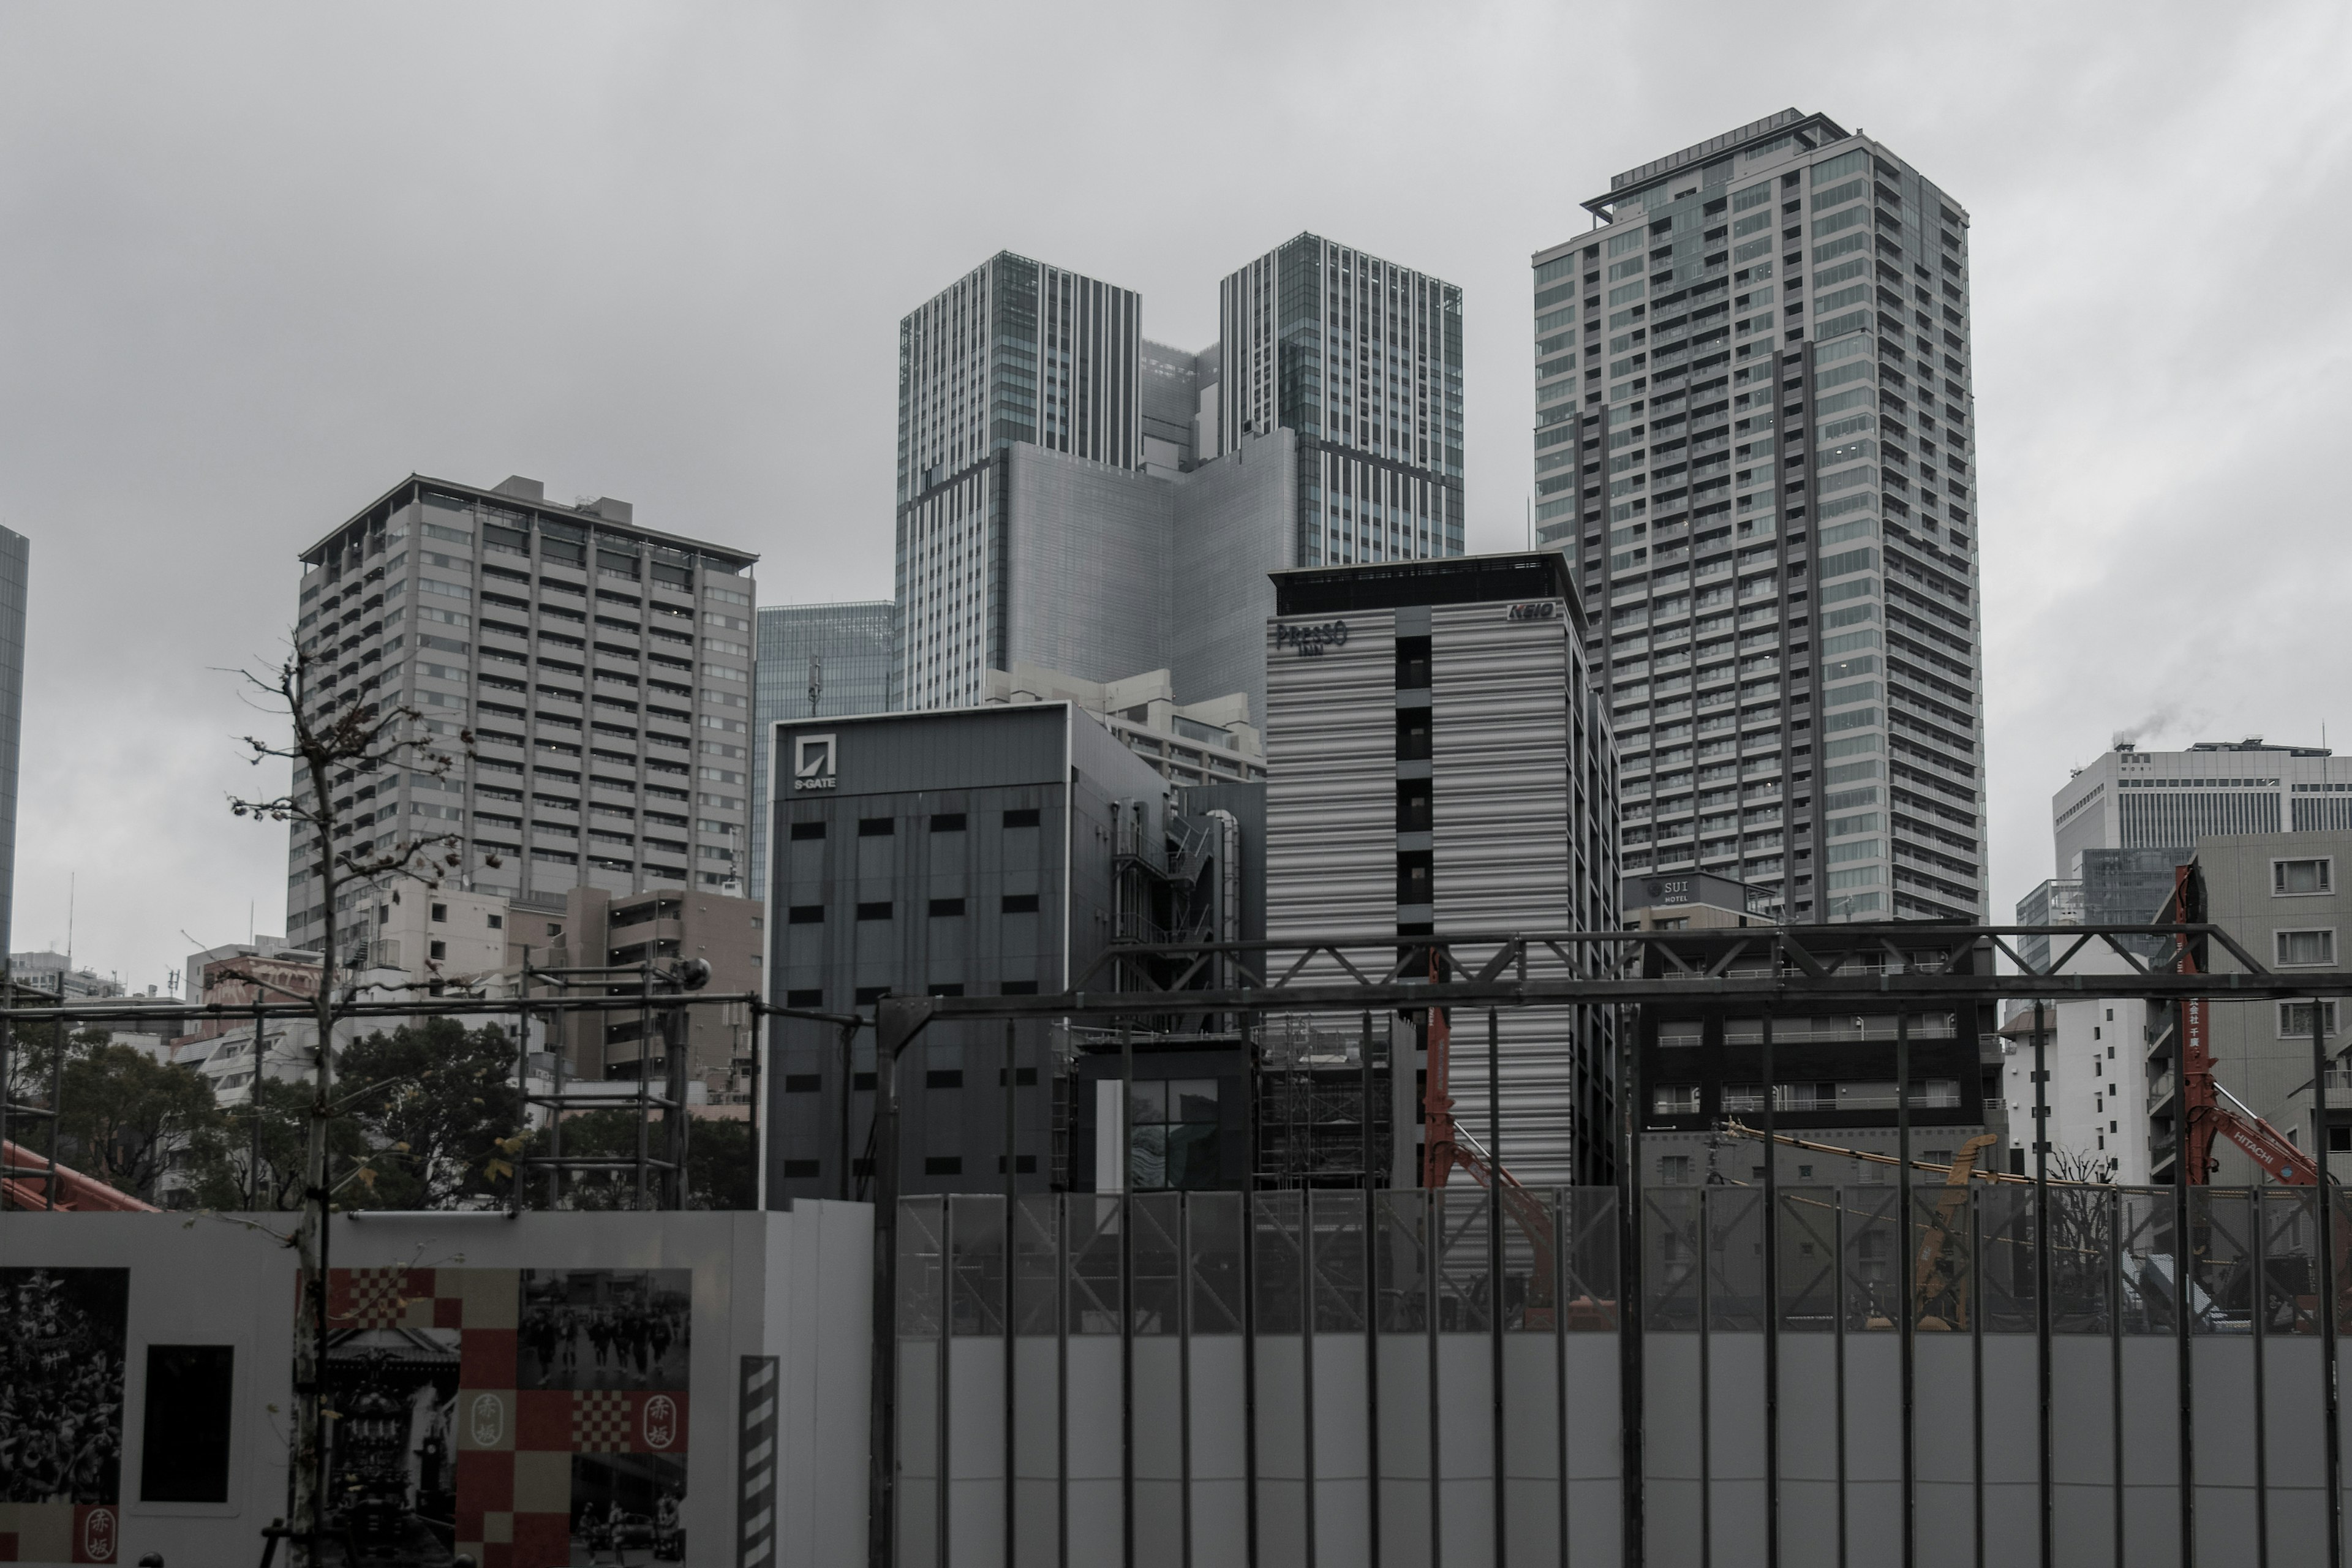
2307	946
947	906
1674	1169
866	994
947	822
438	949
1676	1099
185	1456
1020	903
801	1168
943	1165
877	910
804	915
2292	877
1024	817
808	830
2295	1020
440	911
498	922
803	1083
876	826
1172	1134
810	996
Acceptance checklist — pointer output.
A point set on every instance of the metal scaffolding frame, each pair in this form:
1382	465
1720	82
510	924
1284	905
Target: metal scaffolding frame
1884	966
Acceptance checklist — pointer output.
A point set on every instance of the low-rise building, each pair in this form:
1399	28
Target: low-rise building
1694	900
55	973
1186	743
599	929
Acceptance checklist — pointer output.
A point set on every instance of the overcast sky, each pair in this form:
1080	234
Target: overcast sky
256	264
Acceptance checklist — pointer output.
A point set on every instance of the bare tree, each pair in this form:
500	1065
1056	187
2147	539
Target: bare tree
341	736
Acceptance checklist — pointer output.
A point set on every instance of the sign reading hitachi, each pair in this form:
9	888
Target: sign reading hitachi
813	762
1310	641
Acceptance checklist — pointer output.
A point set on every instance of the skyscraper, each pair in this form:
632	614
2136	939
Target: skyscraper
815	661
1015	353
604	668
1074	496
1772	510
1362	358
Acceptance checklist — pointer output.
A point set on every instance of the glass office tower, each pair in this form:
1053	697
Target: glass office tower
1756	439
815	661
1362	359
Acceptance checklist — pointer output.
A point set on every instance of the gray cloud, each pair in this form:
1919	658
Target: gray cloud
258	263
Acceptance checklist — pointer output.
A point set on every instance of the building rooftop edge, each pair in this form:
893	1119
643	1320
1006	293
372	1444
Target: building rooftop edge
1731	142
554	509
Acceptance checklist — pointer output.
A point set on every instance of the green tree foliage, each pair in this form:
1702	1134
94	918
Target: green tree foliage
441	1113
224	1172
126	1115
719	1161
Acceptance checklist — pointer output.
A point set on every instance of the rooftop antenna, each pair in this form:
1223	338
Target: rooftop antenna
69	925
816	682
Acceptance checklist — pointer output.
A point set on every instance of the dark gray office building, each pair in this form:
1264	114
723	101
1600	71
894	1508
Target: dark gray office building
814	661
988	851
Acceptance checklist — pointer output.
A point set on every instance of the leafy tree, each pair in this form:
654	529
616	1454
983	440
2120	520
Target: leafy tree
719	1161
440	1113
276	1123
126	1116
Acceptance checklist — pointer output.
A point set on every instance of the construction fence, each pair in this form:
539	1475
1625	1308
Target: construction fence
1404	1377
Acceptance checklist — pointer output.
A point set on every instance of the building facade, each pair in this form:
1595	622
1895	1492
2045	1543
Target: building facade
815	661
1755	438
1362	359
2132	799
1438	761
663	927
1076	497
1188	742
603	670
950	854
55	975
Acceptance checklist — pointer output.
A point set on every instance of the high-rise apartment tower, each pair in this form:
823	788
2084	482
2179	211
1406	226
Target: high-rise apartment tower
603	670
1756	438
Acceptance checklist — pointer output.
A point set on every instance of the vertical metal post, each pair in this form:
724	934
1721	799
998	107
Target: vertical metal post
2258	1311
1306	1367
2115	1260
57	1103
1183	1376
2331	1290
1629	1294
1771	1295
1433	1216
897	1019
1838	1322
1372	1236
1903	1286
848	1096
554	1112
1706	1376
2042	1412
943	1417
1062	1379
1366	1063
1976	1364
1012	1202
2183	1253
7	1084
1497	1277
1563	1227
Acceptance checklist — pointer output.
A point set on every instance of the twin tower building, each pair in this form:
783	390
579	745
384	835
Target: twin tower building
1074	496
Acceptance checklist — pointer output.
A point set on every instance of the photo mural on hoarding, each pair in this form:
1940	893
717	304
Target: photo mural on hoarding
533	1418
61	1349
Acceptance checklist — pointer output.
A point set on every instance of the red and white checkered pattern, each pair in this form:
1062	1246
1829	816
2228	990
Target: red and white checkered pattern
602	1422
379	1299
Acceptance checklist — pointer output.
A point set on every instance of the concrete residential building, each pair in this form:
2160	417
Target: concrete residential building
1694	900
1188	742
1438	761
662	927
815	661
605	670
1772	507
991	851
2282	897
2097	1095
54	974
1076	497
